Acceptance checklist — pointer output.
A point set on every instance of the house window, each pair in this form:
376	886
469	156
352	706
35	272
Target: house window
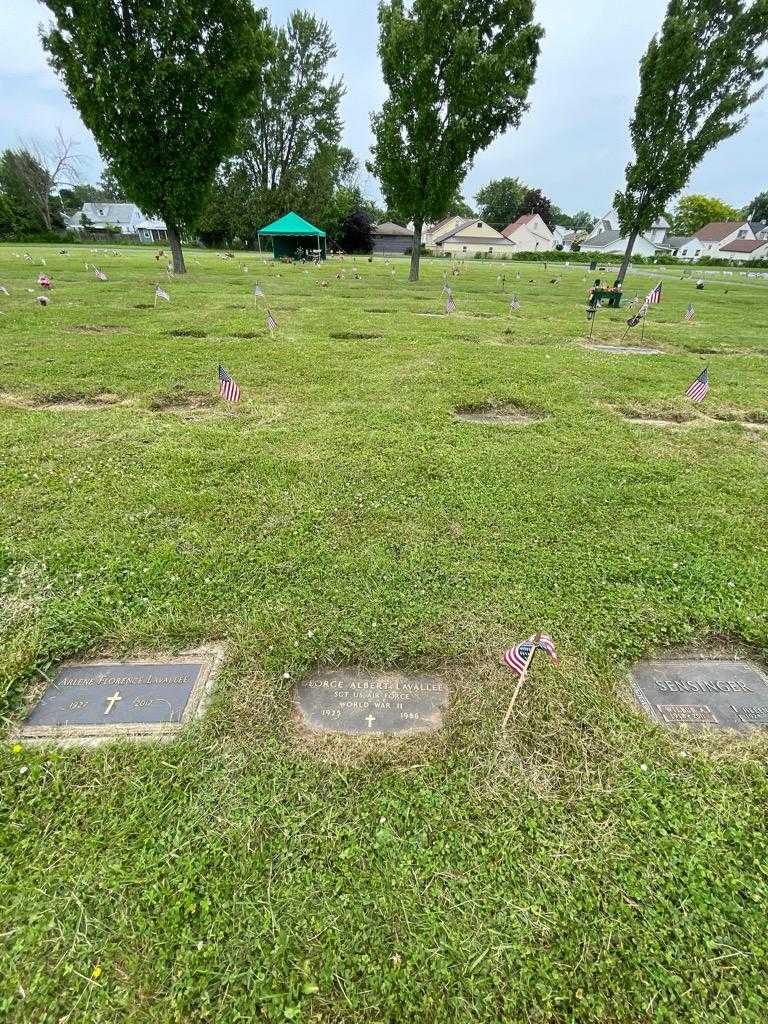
490	248
742	234
479	223
463	248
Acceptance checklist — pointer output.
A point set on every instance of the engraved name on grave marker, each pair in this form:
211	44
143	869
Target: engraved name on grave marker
719	693
365	703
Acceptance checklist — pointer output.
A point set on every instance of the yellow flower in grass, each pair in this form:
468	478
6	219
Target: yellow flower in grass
96	972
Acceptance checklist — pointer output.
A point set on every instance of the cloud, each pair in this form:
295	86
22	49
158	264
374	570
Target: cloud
573	142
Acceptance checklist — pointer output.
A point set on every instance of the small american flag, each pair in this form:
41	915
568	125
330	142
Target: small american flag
653	298
690	313
228	388
271	322
635	319
514	303
450	306
257	292
517	656
4	290
100	275
160	293
699	388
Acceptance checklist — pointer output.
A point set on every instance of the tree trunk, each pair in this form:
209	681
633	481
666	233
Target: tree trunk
415	252
627	256
178	255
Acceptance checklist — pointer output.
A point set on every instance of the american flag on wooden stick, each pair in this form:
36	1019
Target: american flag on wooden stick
517	657
690	313
450	306
653	298
514	303
271	322
160	293
100	275
228	388
257	292
697	391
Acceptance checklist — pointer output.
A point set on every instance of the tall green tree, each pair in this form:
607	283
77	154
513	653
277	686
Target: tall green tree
535	201
163	87
758	208
694	211
458	73
294	136
697	78
500	201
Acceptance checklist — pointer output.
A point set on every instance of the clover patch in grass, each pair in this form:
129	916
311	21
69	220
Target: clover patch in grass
500	414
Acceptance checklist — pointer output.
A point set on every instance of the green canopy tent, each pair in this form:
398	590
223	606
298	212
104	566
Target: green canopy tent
292	232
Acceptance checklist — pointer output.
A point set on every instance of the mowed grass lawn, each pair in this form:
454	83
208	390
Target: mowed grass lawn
583	866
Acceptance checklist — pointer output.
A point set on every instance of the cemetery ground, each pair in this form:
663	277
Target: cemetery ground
586	864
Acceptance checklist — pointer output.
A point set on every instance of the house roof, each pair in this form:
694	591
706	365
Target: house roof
604	238
758	226
526	218
111	213
743	245
717	230
677	241
477	240
388	227
291	224
459	227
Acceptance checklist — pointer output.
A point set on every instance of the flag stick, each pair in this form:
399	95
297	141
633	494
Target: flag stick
642	329
156	296
592	323
535	642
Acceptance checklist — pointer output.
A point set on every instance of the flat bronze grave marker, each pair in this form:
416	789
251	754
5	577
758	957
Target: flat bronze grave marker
360	703
97	701
719	693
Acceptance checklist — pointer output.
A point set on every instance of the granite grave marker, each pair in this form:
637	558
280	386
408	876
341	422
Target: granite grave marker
356	703
717	693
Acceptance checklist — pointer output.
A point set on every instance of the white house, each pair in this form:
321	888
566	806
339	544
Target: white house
709	240
612	241
743	250
119	218
655	235
467	237
529	233
559	233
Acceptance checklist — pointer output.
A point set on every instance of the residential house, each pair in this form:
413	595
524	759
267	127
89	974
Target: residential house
759	229
612	241
559	234
391	237
655	233
529	233
709	240
676	242
119	218
468	237
431	231
743	250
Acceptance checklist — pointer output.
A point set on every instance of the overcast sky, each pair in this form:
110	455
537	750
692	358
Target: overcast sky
573	143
